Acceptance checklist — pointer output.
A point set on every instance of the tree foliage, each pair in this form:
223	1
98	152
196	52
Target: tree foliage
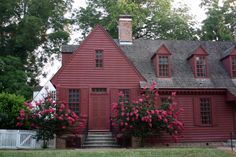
33	30
218	25
13	78
154	19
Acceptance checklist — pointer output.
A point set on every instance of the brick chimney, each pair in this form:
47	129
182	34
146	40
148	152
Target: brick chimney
125	29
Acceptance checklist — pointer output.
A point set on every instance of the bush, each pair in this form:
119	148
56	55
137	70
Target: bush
48	118
140	118
10	105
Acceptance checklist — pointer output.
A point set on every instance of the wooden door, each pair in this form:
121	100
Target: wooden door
99	112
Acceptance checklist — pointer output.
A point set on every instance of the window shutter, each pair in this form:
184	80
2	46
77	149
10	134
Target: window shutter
114	95
84	100
63	95
214	112
196	111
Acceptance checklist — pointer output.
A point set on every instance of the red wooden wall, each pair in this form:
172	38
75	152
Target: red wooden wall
80	71
223	120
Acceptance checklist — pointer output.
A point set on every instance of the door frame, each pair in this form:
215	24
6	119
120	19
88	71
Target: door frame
91	93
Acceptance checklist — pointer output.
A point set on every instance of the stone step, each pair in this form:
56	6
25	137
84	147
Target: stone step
101	146
100	139
100	142
99	133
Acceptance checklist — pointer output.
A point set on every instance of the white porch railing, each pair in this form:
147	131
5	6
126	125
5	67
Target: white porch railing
21	139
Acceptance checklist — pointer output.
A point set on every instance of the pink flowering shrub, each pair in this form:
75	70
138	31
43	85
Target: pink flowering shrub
140	118
47	117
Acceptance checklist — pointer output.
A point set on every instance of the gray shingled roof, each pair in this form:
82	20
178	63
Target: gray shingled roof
227	52
141	51
68	48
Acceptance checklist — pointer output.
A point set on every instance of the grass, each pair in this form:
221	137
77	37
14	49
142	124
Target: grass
160	152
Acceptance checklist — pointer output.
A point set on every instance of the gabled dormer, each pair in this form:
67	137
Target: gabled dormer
199	62
229	61
161	62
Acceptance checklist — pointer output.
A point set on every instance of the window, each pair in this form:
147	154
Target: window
54	95
233	66
99	90
201	67
74	100
99	59
205	111
126	93
165	100
163	66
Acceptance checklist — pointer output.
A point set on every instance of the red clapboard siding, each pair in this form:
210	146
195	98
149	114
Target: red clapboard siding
222	119
81	71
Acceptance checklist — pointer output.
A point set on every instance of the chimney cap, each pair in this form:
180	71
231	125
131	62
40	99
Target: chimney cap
126	16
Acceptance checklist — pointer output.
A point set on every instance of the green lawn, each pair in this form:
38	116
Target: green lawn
163	152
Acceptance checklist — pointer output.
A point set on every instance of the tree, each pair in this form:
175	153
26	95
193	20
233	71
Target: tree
13	78
218	26
152	19
140	118
33	30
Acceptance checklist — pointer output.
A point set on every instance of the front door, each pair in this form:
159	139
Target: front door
99	112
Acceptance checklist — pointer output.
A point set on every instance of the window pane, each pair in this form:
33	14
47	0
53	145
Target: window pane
201	66
205	109
163	66
99	58
234	66
99	90
54	95
126	93
74	100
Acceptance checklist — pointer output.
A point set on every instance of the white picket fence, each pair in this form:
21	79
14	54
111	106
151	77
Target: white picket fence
21	139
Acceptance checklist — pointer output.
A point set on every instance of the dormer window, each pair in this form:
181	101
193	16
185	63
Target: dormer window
233	61
99	59
161	62
229	61
164	66
201	68
198	61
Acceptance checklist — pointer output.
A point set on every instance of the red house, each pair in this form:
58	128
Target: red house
203	73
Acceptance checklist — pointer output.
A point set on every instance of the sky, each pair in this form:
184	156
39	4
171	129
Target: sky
195	10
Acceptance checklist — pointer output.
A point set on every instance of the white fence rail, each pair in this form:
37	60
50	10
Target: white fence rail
21	139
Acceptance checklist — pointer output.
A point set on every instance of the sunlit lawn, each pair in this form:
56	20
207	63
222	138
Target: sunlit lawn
162	152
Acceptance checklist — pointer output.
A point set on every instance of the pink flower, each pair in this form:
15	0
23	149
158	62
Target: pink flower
22	113
122	113
63	127
173	94
165	120
62	106
140	100
18	124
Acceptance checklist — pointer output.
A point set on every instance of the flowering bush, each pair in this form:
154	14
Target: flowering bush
47	117
140	118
